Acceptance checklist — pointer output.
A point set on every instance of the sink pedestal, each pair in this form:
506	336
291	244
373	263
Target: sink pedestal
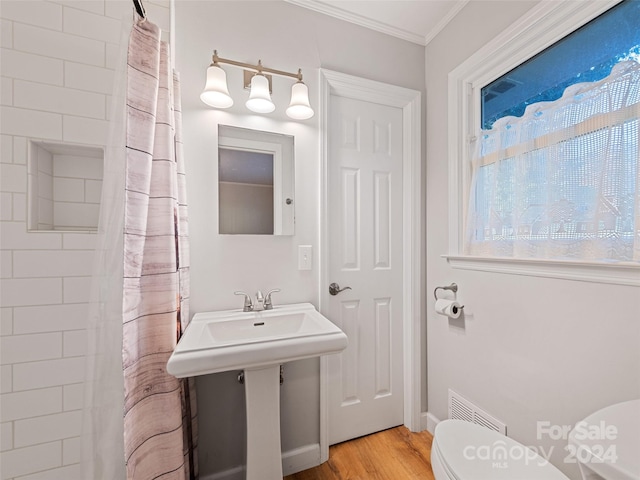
264	453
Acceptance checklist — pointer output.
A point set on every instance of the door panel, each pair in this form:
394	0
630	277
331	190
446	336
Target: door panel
365	253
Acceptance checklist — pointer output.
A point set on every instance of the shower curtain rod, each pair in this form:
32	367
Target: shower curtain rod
139	8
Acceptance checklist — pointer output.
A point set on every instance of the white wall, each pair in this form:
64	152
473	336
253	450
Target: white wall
57	64
285	37
531	349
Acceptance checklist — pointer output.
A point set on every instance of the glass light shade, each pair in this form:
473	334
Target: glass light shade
216	93
259	97
299	108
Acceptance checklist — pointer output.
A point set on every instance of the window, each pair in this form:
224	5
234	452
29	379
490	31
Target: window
586	55
539	167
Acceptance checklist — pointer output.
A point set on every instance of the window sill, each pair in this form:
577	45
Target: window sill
614	273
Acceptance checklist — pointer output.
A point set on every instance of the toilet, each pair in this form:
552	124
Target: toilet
606	444
462	450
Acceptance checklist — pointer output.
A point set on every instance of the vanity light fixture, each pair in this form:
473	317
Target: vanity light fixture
216	92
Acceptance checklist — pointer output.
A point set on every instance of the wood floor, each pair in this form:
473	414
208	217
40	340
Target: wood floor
394	454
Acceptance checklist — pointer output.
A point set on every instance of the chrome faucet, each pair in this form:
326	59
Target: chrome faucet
263	302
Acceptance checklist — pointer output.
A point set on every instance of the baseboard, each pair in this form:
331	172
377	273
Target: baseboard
299	459
293	461
235	473
428	422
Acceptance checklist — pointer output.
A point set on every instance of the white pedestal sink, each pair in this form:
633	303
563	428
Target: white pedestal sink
258	343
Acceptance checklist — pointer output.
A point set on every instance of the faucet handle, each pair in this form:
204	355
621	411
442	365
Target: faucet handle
248	306
267	299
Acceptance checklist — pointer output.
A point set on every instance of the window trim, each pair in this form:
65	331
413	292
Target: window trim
542	26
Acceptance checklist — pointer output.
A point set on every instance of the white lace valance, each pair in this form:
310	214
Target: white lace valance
561	182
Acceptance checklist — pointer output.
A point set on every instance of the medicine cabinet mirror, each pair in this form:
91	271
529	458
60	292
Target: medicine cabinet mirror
255	182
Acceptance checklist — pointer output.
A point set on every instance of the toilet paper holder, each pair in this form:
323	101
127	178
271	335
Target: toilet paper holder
453	288
450	308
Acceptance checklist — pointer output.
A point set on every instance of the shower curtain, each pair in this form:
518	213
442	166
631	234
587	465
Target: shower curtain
139	420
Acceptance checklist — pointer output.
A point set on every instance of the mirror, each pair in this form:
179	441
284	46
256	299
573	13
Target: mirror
255	182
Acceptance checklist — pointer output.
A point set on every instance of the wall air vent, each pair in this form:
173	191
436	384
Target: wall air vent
462	409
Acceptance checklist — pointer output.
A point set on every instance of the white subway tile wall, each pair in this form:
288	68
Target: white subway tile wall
19	204
64	100
6	33
42	14
57	66
19	149
13	178
26	66
6	321
30	123
6	147
6	91
6	206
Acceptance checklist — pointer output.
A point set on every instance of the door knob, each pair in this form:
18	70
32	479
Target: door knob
335	289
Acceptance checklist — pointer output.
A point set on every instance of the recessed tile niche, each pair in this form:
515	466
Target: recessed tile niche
65	184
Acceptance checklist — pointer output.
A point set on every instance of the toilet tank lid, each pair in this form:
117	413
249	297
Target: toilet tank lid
473	452
608	441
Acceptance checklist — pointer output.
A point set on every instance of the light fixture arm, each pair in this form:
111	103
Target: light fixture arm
259	68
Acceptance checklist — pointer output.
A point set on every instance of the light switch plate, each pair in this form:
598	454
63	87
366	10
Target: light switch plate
305	257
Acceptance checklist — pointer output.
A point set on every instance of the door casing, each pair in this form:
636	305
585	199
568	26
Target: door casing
339	84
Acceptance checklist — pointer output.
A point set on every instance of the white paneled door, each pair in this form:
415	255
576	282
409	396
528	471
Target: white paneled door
364	220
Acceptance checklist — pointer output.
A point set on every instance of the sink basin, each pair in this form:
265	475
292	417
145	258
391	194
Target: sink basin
264	327
235	340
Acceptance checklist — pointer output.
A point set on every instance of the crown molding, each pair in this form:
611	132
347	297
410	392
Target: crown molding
350	17
459	5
